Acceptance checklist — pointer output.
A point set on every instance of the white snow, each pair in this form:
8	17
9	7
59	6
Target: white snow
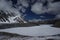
34	31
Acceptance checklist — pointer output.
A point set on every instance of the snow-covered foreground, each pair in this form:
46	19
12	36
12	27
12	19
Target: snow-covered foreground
41	30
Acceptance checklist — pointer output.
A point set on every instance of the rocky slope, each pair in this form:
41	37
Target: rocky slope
10	36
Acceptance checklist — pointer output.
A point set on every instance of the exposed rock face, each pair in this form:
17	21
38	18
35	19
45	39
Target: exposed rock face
10	36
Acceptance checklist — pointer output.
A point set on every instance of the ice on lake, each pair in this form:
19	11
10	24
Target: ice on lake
34	31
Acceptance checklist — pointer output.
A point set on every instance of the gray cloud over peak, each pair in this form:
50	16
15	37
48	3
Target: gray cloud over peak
6	6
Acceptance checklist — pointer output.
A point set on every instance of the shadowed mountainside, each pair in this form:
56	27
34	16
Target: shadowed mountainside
56	23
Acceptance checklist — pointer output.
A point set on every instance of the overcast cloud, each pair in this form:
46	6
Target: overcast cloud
38	7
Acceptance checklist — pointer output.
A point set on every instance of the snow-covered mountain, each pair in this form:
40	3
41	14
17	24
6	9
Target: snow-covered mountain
7	9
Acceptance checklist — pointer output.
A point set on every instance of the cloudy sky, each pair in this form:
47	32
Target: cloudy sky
35	9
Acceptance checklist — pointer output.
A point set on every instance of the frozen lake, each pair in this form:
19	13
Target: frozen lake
41	30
